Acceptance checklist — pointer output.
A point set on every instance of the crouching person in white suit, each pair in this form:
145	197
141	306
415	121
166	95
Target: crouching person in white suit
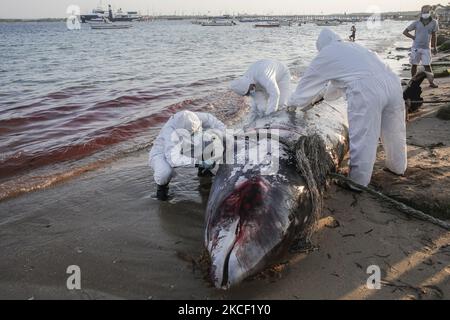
375	102
267	82
183	131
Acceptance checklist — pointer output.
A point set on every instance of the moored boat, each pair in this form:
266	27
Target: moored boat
109	25
198	22
218	23
285	23
251	20
99	13
272	24
328	23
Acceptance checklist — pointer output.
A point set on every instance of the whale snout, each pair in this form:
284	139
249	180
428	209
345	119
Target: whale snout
242	234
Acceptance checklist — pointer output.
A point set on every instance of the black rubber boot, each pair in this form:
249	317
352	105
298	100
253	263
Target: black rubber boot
204	173
162	192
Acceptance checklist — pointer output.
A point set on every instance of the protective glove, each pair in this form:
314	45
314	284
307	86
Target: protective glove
205	167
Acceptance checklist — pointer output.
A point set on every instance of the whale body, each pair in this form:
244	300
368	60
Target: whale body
252	216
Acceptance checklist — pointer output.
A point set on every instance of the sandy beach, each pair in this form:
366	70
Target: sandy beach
130	246
116	248
426	185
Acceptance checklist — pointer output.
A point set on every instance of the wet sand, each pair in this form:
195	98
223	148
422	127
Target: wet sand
426	185
128	245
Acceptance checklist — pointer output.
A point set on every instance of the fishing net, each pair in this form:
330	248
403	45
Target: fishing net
314	163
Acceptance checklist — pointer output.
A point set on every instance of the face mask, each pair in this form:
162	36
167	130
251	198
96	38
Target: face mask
426	15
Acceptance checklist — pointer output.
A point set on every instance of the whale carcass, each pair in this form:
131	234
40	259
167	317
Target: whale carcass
253	214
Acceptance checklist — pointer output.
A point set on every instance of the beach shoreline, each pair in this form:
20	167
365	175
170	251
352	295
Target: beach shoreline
128	245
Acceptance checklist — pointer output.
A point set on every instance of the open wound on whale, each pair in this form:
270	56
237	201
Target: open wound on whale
241	207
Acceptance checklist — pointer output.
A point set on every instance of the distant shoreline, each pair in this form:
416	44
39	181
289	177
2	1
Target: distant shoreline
35	20
386	15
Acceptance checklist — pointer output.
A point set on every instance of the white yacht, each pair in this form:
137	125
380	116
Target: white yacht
99	13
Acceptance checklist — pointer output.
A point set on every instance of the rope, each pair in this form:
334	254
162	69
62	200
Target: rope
432	102
396	204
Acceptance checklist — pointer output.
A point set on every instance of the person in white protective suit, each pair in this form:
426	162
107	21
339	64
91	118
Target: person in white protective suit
167	151
268	83
375	102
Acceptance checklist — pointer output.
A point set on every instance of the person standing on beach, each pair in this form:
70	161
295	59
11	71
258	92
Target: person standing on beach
375	102
268	83
353	35
185	128
424	38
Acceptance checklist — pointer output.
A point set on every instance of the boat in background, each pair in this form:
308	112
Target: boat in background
106	24
219	23
328	23
200	21
99	13
285	23
110	26
128	16
268	24
251	20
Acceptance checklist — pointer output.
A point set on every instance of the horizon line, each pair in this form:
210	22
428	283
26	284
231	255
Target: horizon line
237	15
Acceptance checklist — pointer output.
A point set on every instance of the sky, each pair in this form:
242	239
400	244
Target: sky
31	9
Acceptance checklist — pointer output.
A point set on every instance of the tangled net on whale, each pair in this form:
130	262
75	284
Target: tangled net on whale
314	163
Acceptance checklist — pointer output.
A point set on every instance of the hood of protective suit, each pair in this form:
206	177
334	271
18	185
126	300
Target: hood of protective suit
188	120
241	85
326	38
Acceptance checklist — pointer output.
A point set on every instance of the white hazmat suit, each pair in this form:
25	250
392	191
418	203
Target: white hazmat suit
272	80
165	153
375	102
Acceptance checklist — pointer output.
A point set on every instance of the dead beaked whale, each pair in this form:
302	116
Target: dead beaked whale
253	216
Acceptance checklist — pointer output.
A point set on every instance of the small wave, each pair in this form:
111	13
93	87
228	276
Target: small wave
211	81
32	181
127	100
67	93
18	179
17	187
93	142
